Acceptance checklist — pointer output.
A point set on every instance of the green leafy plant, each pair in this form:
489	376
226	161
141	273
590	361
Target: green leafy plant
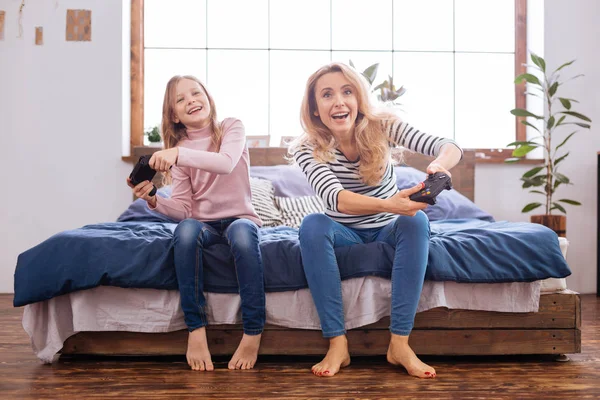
386	90
558	115
153	135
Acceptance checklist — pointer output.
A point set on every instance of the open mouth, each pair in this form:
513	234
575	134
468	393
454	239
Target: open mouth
340	116
195	110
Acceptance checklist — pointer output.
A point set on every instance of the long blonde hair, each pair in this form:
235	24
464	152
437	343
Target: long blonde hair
173	131
371	142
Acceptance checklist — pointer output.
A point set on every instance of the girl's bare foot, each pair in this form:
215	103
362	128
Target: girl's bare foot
198	356
400	353
337	357
246	353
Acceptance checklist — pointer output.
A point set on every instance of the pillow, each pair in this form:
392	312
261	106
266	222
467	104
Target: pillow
263	202
450	203
288	180
294	209
139	211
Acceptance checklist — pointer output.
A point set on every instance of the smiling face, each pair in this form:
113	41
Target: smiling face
337	104
191	107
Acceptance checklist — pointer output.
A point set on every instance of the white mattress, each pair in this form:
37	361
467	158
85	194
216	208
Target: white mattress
366	300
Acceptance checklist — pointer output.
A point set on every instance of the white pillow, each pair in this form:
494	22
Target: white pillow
294	209
263	201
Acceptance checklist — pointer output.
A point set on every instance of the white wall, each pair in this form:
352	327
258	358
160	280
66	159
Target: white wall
61	113
571	32
62	118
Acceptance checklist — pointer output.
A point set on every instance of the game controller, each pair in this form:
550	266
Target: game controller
143	172
432	186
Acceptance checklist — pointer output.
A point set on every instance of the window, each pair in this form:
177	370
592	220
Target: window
457	59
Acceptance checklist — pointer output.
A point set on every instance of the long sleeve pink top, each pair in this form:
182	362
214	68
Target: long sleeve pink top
209	186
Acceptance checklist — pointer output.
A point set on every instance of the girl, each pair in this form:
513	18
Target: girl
345	154
211	196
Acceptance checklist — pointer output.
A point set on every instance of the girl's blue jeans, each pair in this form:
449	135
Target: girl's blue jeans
320	235
190	239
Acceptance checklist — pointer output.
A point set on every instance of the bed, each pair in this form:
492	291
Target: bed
523	307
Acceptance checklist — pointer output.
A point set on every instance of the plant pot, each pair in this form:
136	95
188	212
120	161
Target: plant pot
558	223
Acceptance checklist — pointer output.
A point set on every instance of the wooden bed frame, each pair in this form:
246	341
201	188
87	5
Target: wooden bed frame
555	329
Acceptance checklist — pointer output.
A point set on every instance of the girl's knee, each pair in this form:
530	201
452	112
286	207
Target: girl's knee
242	233
187	231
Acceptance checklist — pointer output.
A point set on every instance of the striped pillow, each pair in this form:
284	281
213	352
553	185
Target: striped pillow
294	209
263	201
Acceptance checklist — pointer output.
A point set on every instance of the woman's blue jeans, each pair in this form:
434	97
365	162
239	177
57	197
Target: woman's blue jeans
320	235
190	238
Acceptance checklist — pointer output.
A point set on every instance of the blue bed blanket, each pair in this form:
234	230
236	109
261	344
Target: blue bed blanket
140	255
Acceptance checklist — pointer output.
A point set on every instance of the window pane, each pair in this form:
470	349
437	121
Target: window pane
364	59
429	99
238	24
485	94
424	25
485	25
361	25
175	23
290	21
160	66
289	73
238	80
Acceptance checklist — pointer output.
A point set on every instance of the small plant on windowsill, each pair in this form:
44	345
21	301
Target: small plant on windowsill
557	116
153	136
386	90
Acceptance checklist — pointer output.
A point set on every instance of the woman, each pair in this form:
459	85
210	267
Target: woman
345	154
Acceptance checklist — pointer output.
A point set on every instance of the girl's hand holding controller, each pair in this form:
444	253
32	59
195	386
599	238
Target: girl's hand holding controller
163	160
142	190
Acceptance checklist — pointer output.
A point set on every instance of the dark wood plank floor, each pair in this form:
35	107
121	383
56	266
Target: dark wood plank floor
22	376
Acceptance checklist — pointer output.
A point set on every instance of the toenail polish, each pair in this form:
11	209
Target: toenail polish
427	373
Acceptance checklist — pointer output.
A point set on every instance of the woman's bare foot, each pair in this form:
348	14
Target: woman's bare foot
337	357
400	353
198	356
246	353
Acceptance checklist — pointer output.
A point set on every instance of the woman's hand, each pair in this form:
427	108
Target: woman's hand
437	167
142	190
401	204
163	160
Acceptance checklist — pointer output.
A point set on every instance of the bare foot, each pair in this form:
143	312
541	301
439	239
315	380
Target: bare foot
246	353
337	357
198	356
400	353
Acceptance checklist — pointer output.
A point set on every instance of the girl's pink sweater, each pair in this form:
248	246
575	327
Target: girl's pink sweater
209	186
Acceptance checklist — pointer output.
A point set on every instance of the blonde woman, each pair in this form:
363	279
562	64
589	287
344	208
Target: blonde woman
211	196
345	154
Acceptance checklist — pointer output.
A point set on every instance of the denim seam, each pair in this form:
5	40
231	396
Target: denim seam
345	236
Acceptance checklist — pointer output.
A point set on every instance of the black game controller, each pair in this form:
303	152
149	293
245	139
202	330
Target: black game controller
143	172
432	186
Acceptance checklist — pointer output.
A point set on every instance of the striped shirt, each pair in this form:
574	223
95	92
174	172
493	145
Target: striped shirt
328	179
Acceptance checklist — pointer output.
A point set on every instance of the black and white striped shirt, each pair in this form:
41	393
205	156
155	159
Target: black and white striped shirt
328	179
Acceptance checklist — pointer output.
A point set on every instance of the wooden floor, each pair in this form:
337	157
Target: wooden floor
22	376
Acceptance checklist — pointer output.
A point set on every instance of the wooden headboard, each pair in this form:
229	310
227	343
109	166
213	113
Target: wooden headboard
463	174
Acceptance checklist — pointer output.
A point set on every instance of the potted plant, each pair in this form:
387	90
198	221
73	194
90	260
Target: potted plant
387	92
559	115
153	136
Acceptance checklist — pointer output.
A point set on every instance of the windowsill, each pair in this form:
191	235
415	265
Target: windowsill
482	156
497	156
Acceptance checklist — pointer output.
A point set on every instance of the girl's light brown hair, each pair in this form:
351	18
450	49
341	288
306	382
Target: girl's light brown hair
371	142
173	131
